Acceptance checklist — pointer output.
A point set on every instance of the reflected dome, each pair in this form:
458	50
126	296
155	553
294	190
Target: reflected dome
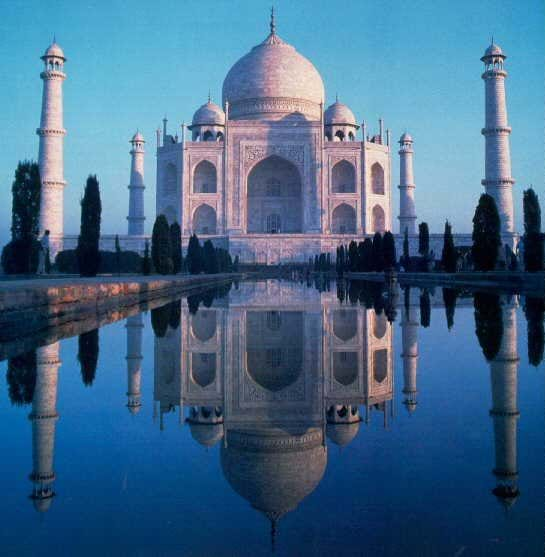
342	434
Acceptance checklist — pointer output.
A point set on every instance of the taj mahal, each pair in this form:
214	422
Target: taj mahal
273	175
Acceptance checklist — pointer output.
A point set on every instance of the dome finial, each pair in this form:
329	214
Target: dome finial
336	97
273	23
209	97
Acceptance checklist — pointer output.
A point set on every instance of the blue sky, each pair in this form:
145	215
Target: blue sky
415	63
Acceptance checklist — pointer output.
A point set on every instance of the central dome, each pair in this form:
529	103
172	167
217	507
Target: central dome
273	81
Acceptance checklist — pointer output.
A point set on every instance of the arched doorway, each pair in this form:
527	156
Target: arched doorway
343	178
377	179
204	178
379	219
274	203
343	220
204	220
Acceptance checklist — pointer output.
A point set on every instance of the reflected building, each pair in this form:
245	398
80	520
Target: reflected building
134	326
504	411
44	417
409	339
270	372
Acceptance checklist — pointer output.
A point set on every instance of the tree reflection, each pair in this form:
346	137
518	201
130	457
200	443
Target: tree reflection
450	295
488	323
534	310
425	308
21	378
88	356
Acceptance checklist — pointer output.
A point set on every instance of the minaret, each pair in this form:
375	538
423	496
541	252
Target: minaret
50	153
498	181
504	412
44	417
136	216
134	326
409	335
407	214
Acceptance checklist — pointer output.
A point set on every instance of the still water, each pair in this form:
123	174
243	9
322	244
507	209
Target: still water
280	417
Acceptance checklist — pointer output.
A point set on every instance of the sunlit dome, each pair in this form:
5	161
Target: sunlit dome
339	113
342	434
209	114
137	137
54	50
206	435
405	137
273	80
493	50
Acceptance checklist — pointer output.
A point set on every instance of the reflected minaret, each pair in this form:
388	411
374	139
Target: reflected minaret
409	336
134	326
44	417
504	412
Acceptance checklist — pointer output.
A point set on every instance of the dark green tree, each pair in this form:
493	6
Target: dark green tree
378	253
160	318
160	246
533	239
353	256
328	262
367	261
450	296
175	313
117	255
21	254
406	253
87	251
146	262
210	259
194	257
449	255
423	239
21	378
340	260
316	265
235	264
425	308
389	251
534	310
88	344
488	323
486	234
176	247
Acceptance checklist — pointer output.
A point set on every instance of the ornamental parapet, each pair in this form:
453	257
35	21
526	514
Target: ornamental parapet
52	74
498	182
407	186
54	184
256	442
37	477
45	416
273	105
504	413
499	129
50	131
494	74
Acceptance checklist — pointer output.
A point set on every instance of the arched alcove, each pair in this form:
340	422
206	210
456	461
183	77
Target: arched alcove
203	324
169	188
204	220
379	219
204	178
203	368
345	324
345	367
380	365
343	219
274	197
343	178
377	179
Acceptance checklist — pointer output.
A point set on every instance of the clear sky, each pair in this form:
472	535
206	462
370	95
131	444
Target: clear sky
415	63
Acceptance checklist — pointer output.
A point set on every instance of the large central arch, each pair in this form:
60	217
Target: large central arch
274	197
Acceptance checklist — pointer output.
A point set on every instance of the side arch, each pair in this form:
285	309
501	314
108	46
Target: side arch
379	219
205	178
343	178
377	179
204	220
343	219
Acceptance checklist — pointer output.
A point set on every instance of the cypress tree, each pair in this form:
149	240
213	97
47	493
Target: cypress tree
328	262
449	298
175	314
449	254
425	308
488	323
340	260
194	256
176	247
159	320
367	262
316	266
378	255
160	246
235	264
406	253
88	253
21	254
21	378
353	256
117	255
210	258
88	348
146	262
486	234
533	239
389	251
423	239
534	310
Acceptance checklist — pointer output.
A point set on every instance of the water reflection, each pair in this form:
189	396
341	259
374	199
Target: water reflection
269	372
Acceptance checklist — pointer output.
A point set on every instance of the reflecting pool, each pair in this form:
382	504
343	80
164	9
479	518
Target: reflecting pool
286	418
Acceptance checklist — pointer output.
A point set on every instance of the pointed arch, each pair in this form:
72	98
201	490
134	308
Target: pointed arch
379	219
343	219
205	178
343	178
169	187
377	179
204	220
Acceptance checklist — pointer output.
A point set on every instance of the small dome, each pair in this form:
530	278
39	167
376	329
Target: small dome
339	113
138	137
493	50
206	435
342	434
42	504
209	114
405	138
134	408
54	50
